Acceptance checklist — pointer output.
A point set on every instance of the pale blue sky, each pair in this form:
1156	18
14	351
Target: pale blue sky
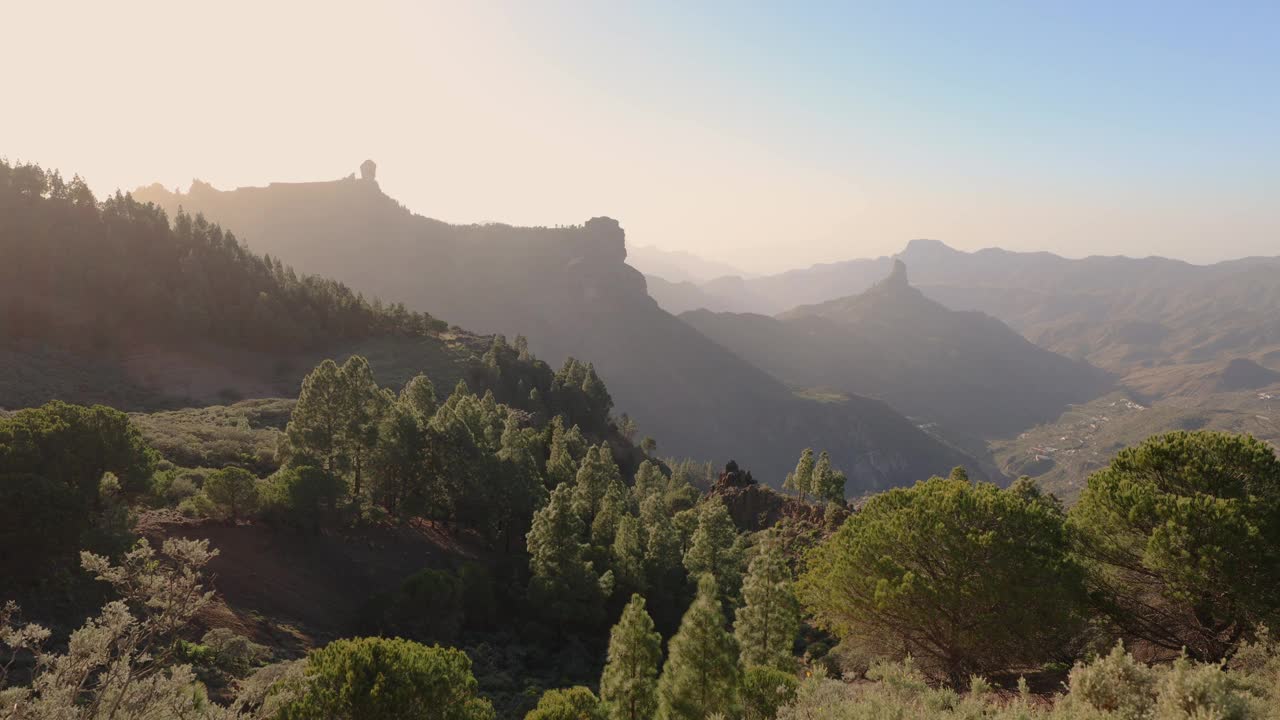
768	135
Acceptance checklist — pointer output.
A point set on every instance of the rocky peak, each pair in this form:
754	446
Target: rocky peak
605	239
897	276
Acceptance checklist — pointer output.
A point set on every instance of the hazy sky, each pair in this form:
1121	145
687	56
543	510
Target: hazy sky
766	135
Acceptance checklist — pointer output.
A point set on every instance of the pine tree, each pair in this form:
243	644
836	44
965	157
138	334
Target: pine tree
649	480
609	513
400	460
801	479
769	619
567	450
664	568
365	406
317	420
599	403
563	583
701	675
592	482
827	482
717	549
628	555
518	484
420	395
630	681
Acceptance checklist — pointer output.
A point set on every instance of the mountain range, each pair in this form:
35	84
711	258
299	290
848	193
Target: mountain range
965	371
1116	312
570	291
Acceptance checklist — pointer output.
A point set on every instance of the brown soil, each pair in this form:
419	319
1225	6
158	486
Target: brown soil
294	591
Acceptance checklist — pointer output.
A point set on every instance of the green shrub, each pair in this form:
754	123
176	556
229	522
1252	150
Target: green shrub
39	519
233	492
197	506
1117	684
1114	687
232	652
967	578
428	607
1181	538
1190	690
765	689
52	462
575	703
170	487
305	497
388	679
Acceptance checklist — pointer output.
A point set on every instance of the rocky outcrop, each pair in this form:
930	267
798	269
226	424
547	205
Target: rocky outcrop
754	506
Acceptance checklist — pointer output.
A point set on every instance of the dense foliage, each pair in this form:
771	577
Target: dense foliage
52	463
1181	537
189	279
967	578
630	681
701	675
388	679
767	623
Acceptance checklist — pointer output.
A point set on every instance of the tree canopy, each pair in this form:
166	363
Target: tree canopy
1181	539
966	578
388	679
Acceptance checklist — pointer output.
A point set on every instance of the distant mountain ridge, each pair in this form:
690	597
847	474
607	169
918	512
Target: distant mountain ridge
966	371
1119	313
676	266
570	291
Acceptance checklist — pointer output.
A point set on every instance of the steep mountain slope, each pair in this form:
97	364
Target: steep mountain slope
109	303
966	371
570	291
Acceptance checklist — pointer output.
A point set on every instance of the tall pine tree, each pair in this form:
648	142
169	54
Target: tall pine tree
800	480
563	583
827	482
701	675
629	684
769	619
717	549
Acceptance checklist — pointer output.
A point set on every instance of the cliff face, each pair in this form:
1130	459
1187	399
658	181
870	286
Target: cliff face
570	291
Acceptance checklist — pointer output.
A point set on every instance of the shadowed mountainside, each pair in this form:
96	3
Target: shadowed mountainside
966	371
570	291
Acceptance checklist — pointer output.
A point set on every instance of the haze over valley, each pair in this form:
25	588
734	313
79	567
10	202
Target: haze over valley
667	361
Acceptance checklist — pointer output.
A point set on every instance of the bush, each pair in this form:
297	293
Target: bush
305	497
1116	684
39	519
428	607
575	703
966	578
765	689
1181	539
388	679
197	506
1114	687
170	487
234	653
52	461
233	492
